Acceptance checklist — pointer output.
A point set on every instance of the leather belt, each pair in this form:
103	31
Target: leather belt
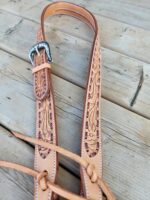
46	150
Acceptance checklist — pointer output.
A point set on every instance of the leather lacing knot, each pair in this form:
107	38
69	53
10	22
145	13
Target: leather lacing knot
42	180
91	172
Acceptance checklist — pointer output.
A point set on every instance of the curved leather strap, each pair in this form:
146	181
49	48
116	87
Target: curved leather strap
91	131
91	136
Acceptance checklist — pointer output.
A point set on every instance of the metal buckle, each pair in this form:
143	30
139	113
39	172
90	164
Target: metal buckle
36	50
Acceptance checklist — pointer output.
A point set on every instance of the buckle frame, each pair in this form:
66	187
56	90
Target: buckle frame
35	49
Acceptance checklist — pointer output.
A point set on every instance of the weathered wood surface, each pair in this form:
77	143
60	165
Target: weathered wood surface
70	54
126	138
132	12
136	13
17	185
125	37
118	36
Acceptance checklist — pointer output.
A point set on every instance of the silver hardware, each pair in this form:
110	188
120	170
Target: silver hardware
36	50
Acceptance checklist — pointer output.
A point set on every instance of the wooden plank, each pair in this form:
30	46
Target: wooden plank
126	152
115	35
126	139
18	6
142	3
17	184
130	12
71	55
120	37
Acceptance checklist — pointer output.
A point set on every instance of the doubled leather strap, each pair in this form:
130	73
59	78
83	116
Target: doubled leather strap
91	133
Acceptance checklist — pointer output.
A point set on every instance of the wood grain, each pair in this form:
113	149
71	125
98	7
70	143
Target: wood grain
135	13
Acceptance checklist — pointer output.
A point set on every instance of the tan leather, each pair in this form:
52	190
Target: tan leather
91	148
45	159
46	148
41	178
91	133
40	67
89	167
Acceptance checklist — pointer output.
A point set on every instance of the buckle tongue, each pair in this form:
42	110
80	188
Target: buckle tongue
36	50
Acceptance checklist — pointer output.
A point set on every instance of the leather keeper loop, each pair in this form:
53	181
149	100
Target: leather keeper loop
40	67
41	74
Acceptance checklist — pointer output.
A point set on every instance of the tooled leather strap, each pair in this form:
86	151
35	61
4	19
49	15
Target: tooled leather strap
46	159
